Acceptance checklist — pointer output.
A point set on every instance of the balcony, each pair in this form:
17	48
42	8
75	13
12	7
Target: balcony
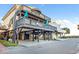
47	18
33	24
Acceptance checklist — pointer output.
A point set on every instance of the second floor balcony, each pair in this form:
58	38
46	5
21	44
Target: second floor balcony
29	23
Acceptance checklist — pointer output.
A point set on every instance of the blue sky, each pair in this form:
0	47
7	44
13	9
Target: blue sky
59	11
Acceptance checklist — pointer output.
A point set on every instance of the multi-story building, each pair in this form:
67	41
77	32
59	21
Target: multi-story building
30	23
59	31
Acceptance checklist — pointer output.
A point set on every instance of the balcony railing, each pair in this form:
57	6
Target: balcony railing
28	23
47	18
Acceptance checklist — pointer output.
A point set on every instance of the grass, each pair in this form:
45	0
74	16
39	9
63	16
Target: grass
7	43
70	37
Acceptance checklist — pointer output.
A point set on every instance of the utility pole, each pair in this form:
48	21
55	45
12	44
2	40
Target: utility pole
15	32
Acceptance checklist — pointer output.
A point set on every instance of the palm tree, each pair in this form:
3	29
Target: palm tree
67	30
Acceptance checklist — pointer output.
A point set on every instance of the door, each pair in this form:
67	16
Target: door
26	36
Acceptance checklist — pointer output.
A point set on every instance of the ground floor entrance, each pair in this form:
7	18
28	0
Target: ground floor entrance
24	36
35	34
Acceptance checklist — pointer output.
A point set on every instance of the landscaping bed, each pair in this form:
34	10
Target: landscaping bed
7	43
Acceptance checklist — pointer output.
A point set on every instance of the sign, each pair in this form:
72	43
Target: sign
25	13
46	22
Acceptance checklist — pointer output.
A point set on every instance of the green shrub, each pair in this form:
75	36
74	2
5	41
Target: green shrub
7	43
1	36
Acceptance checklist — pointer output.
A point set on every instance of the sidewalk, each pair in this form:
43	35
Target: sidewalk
33	43
26	45
2	48
45	47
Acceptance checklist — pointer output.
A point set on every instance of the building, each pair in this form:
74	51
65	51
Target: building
78	27
28	23
59	32
3	31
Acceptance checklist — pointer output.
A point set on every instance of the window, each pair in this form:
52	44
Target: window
33	22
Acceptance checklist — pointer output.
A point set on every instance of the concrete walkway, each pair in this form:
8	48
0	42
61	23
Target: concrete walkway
69	46
2	48
34	43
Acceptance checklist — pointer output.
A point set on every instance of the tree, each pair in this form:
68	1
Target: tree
67	30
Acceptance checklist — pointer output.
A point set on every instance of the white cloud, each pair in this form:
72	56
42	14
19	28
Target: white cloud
67	23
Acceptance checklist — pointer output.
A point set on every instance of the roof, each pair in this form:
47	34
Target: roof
8	13
15	6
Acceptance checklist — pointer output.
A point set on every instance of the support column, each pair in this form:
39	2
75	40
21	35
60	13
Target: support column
30	36
33	37
48	36
17	40
38	37
23	35
44	36
7	36
14	36
51	36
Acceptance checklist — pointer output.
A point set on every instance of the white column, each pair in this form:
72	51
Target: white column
22	36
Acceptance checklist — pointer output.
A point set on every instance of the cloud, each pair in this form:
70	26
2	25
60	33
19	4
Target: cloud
69	24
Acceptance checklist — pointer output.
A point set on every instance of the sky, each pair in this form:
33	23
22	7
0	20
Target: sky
66	14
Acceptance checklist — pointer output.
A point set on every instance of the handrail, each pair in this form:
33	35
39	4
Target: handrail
22	22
